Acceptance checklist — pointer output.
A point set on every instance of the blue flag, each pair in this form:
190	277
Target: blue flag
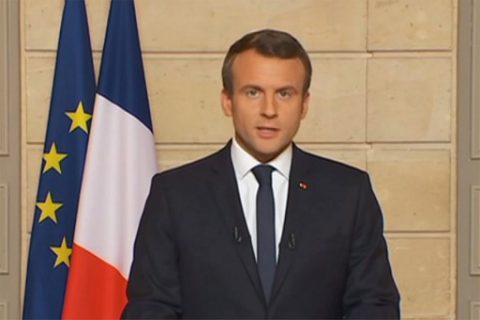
61	173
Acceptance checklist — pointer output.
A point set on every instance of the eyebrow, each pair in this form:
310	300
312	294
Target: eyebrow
256	87
251	86
288	88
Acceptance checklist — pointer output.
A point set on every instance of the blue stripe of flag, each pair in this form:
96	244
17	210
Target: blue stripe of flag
122	78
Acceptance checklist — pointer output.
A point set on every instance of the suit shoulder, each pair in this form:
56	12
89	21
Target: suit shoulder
318	160
332	167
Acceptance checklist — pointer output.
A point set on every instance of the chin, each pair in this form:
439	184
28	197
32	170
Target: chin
268	156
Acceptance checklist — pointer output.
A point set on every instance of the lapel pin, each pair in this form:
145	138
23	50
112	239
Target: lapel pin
303	185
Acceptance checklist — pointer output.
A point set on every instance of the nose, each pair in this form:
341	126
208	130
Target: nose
269	107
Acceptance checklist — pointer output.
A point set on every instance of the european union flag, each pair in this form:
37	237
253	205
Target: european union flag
66	140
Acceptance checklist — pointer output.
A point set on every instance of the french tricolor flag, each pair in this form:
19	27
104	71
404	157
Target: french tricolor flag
119	165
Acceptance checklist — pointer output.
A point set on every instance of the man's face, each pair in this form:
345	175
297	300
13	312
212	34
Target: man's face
267	103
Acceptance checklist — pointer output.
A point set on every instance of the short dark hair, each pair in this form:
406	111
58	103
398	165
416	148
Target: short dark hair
269	43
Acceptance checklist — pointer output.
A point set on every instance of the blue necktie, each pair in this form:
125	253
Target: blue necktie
266	257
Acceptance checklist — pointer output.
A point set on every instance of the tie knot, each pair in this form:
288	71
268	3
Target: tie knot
263	174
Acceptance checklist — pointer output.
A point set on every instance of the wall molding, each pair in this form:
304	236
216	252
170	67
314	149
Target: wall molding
475	105
475	230
3	310
4	93
474	309
4	229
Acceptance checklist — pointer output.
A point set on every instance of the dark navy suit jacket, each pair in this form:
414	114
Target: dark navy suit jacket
194	259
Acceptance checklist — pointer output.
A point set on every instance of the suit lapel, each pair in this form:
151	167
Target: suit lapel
225	190
300	198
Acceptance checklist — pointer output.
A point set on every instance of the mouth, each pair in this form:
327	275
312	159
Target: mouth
267	132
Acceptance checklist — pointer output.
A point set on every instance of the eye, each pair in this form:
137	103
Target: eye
285	93
252	92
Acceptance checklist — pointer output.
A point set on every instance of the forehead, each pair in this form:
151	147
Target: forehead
250	67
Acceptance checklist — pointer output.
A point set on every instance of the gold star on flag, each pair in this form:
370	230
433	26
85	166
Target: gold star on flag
79	118
49	209
63	254
53	159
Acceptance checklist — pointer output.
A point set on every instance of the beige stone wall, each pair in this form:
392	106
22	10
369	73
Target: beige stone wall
383	99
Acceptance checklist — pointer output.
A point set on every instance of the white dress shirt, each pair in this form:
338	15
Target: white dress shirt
243	163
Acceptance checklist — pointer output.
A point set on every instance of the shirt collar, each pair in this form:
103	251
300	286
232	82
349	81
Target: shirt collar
243	162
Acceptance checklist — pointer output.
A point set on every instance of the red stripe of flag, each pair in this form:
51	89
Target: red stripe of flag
97	279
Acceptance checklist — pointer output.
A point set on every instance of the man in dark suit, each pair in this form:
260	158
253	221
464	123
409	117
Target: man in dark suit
262	229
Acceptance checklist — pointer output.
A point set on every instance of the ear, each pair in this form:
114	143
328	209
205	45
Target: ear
226	103
305	104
